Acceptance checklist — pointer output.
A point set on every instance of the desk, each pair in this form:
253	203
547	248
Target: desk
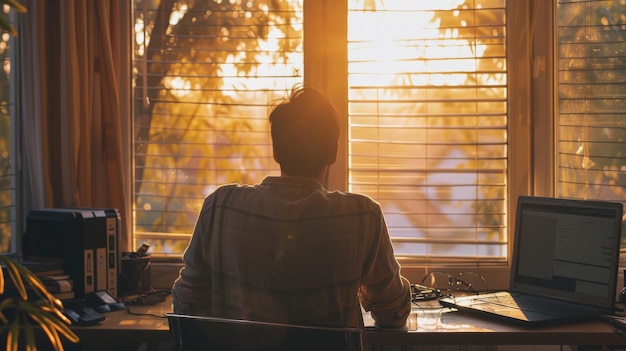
455	329
145	324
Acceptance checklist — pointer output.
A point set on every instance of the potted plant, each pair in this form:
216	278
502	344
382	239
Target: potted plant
31	306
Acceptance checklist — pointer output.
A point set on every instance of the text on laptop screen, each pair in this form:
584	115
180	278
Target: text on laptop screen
572	249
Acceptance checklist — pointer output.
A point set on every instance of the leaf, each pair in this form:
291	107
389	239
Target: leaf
40	288
1	280
29	337
13	335
65	330
45	311
50	331
59	315
54	319
6	304
14	273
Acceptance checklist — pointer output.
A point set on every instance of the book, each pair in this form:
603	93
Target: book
50	272
65	295
59	276
58	284
41	264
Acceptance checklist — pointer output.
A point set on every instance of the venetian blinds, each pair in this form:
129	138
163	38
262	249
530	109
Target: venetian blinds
205	73
428	124
591	159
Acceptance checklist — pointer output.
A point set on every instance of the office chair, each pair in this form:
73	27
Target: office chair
194	333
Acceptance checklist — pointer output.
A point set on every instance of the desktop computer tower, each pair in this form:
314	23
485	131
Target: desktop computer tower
85	238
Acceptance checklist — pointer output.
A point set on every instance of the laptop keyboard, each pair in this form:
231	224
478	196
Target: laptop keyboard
507	300
527	303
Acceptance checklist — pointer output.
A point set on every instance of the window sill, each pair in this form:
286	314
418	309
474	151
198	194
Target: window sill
165	271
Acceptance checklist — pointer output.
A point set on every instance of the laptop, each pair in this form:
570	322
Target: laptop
564	264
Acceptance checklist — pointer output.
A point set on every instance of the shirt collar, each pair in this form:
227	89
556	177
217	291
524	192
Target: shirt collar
292	181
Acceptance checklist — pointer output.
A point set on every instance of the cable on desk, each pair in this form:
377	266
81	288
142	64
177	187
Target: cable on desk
143	314
147	298
152	297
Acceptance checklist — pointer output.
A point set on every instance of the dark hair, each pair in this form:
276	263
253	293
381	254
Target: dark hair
305	131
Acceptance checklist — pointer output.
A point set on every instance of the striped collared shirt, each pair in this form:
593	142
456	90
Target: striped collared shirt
287	250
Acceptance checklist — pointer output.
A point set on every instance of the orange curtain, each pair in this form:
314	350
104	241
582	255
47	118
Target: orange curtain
82	154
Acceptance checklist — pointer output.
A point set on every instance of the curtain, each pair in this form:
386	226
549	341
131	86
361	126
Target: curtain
72	116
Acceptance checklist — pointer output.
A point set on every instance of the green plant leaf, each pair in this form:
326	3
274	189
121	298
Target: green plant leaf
54	319
39	287
50	331
14	273
29	337
13	335
45	311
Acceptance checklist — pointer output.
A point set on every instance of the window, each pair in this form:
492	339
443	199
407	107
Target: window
427	126
592	98
205	74
427	117
591	157
8	142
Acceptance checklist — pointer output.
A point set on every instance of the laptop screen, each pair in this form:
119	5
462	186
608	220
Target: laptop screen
567	249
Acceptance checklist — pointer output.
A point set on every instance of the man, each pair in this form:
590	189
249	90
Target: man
287	250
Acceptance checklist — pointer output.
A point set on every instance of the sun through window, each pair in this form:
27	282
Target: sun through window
427	114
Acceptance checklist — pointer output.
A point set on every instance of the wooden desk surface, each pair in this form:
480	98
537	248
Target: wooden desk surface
138	323
458	328
455	329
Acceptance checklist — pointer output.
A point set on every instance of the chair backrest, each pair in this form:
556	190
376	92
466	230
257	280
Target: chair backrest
194	333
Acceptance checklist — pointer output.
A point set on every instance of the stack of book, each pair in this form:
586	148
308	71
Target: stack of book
60	285
50	271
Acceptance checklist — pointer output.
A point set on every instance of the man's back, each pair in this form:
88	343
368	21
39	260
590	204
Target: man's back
288	251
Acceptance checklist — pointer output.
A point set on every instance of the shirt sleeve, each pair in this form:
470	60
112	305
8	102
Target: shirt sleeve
384	291
195	256
194	285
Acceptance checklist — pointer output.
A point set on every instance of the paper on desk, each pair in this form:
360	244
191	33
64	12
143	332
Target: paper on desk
368	321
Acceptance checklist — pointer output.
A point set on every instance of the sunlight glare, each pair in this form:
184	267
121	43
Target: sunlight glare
266	68
404	5
178	14
140	37
177	85
409	43
175	16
